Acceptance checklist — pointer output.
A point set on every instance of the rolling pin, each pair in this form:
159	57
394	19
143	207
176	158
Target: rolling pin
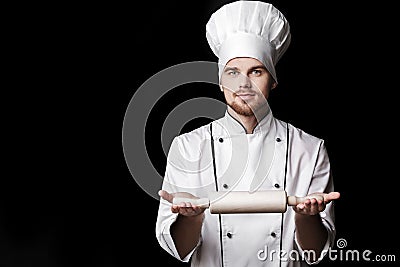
268	201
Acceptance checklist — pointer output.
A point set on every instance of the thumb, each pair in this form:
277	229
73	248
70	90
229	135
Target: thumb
166	196
331	196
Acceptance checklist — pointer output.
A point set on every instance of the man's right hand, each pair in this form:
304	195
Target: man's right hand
183	208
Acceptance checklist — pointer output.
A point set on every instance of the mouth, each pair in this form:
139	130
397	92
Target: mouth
245	96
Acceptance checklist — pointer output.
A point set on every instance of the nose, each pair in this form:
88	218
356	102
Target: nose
244	82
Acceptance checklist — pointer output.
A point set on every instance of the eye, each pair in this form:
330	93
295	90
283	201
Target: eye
256	72
232	73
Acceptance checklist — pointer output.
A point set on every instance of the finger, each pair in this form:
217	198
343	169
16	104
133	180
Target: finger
315	207
179	209
321	206
197	209
300	206
175	209
187	211
165	195
307	205
310	207
321	203
182	205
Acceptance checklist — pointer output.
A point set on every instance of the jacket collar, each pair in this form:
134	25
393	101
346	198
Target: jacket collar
235	127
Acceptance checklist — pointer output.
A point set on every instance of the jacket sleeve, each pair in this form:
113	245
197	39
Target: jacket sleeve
322	181
165	217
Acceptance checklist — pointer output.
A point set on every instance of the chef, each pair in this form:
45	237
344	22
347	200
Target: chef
247	149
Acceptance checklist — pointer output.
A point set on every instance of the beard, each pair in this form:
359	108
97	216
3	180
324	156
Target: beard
248	109
241	109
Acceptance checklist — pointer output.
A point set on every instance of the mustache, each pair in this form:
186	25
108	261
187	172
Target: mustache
245	92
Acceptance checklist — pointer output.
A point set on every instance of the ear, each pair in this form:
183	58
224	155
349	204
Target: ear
221	88
274	85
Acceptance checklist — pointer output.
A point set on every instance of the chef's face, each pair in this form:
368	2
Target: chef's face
246	84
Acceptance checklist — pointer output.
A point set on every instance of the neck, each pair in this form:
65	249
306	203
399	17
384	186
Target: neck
248	122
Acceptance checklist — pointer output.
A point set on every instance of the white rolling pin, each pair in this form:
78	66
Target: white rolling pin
269	201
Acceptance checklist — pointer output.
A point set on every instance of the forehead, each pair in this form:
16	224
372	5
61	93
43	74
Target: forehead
244	62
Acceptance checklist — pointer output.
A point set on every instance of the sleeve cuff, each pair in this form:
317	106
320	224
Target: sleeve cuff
169	244
328	244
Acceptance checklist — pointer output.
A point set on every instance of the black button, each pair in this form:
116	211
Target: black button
225	186
273	234
278	139
221	140
276	185
229	235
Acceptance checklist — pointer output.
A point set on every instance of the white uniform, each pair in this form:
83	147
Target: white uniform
276	156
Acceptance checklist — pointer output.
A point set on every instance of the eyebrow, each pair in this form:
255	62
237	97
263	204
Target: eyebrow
258	67
230	68
252	68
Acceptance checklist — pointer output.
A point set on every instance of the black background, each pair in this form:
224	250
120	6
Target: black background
68	198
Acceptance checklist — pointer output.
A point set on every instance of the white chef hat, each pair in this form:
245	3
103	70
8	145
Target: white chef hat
248	29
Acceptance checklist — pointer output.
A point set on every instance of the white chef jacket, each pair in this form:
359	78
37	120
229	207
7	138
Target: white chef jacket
276	156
